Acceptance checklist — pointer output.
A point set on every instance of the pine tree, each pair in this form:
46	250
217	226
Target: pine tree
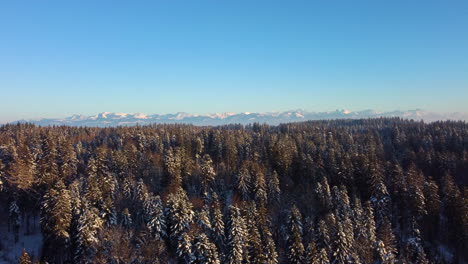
311	253
173	165
68	164
56	215
205	251
244	182
323	193
322	257
127	219
236	236
179	213
369	224
24	258
386	236
21	171
365	237
156	221
184	249
270	251
381	201
2	175
207	172
48	167
93	192
142	199
254	240
296	247
15	218
108	213
203	219
342	249
217	223
383	256
324	237
421	257
75	202
259	188
89	224
274	191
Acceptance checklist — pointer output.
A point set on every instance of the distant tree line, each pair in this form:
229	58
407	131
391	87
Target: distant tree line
369	191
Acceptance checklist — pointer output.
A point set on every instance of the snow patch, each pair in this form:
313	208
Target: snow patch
32	243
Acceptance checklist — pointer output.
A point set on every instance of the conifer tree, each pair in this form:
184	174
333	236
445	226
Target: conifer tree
48	167
296	247
156	221
244	182
324	237
15	218
68	160
421	257
342	248
236	236
259	188
270	251
89	224
56	215
179	213
365	236
207	172
312	254
184	249
203	219
205	251
173	165
93	191
127	221
21	171
274	191
24	258
322	258
386	236
253	239
217	223
382	255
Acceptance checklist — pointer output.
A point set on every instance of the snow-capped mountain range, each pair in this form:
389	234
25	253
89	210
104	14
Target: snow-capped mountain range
106	119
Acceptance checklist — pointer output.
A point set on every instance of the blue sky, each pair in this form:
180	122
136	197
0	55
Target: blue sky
59	58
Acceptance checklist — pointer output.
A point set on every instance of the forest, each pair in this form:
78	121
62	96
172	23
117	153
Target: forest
370	191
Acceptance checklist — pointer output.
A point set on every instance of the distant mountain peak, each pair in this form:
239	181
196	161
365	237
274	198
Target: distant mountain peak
273	118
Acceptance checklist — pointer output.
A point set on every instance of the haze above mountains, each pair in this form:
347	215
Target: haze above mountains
107	119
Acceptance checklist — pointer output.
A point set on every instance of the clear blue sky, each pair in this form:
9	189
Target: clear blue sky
59	58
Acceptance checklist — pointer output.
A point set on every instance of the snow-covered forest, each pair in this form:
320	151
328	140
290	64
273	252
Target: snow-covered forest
368	191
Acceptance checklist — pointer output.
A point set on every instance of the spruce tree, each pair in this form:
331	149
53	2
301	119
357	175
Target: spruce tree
342	248
155	218
184	249
295	246
15	218
205	251
207	172
311	253
274	191
244	182
217	223
179	213
127	221
236	236
24	258
322	257
89	224
56	215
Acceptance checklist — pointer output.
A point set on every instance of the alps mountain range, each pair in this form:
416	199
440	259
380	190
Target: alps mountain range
107	119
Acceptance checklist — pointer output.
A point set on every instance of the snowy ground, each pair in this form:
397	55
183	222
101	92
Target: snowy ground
10	251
